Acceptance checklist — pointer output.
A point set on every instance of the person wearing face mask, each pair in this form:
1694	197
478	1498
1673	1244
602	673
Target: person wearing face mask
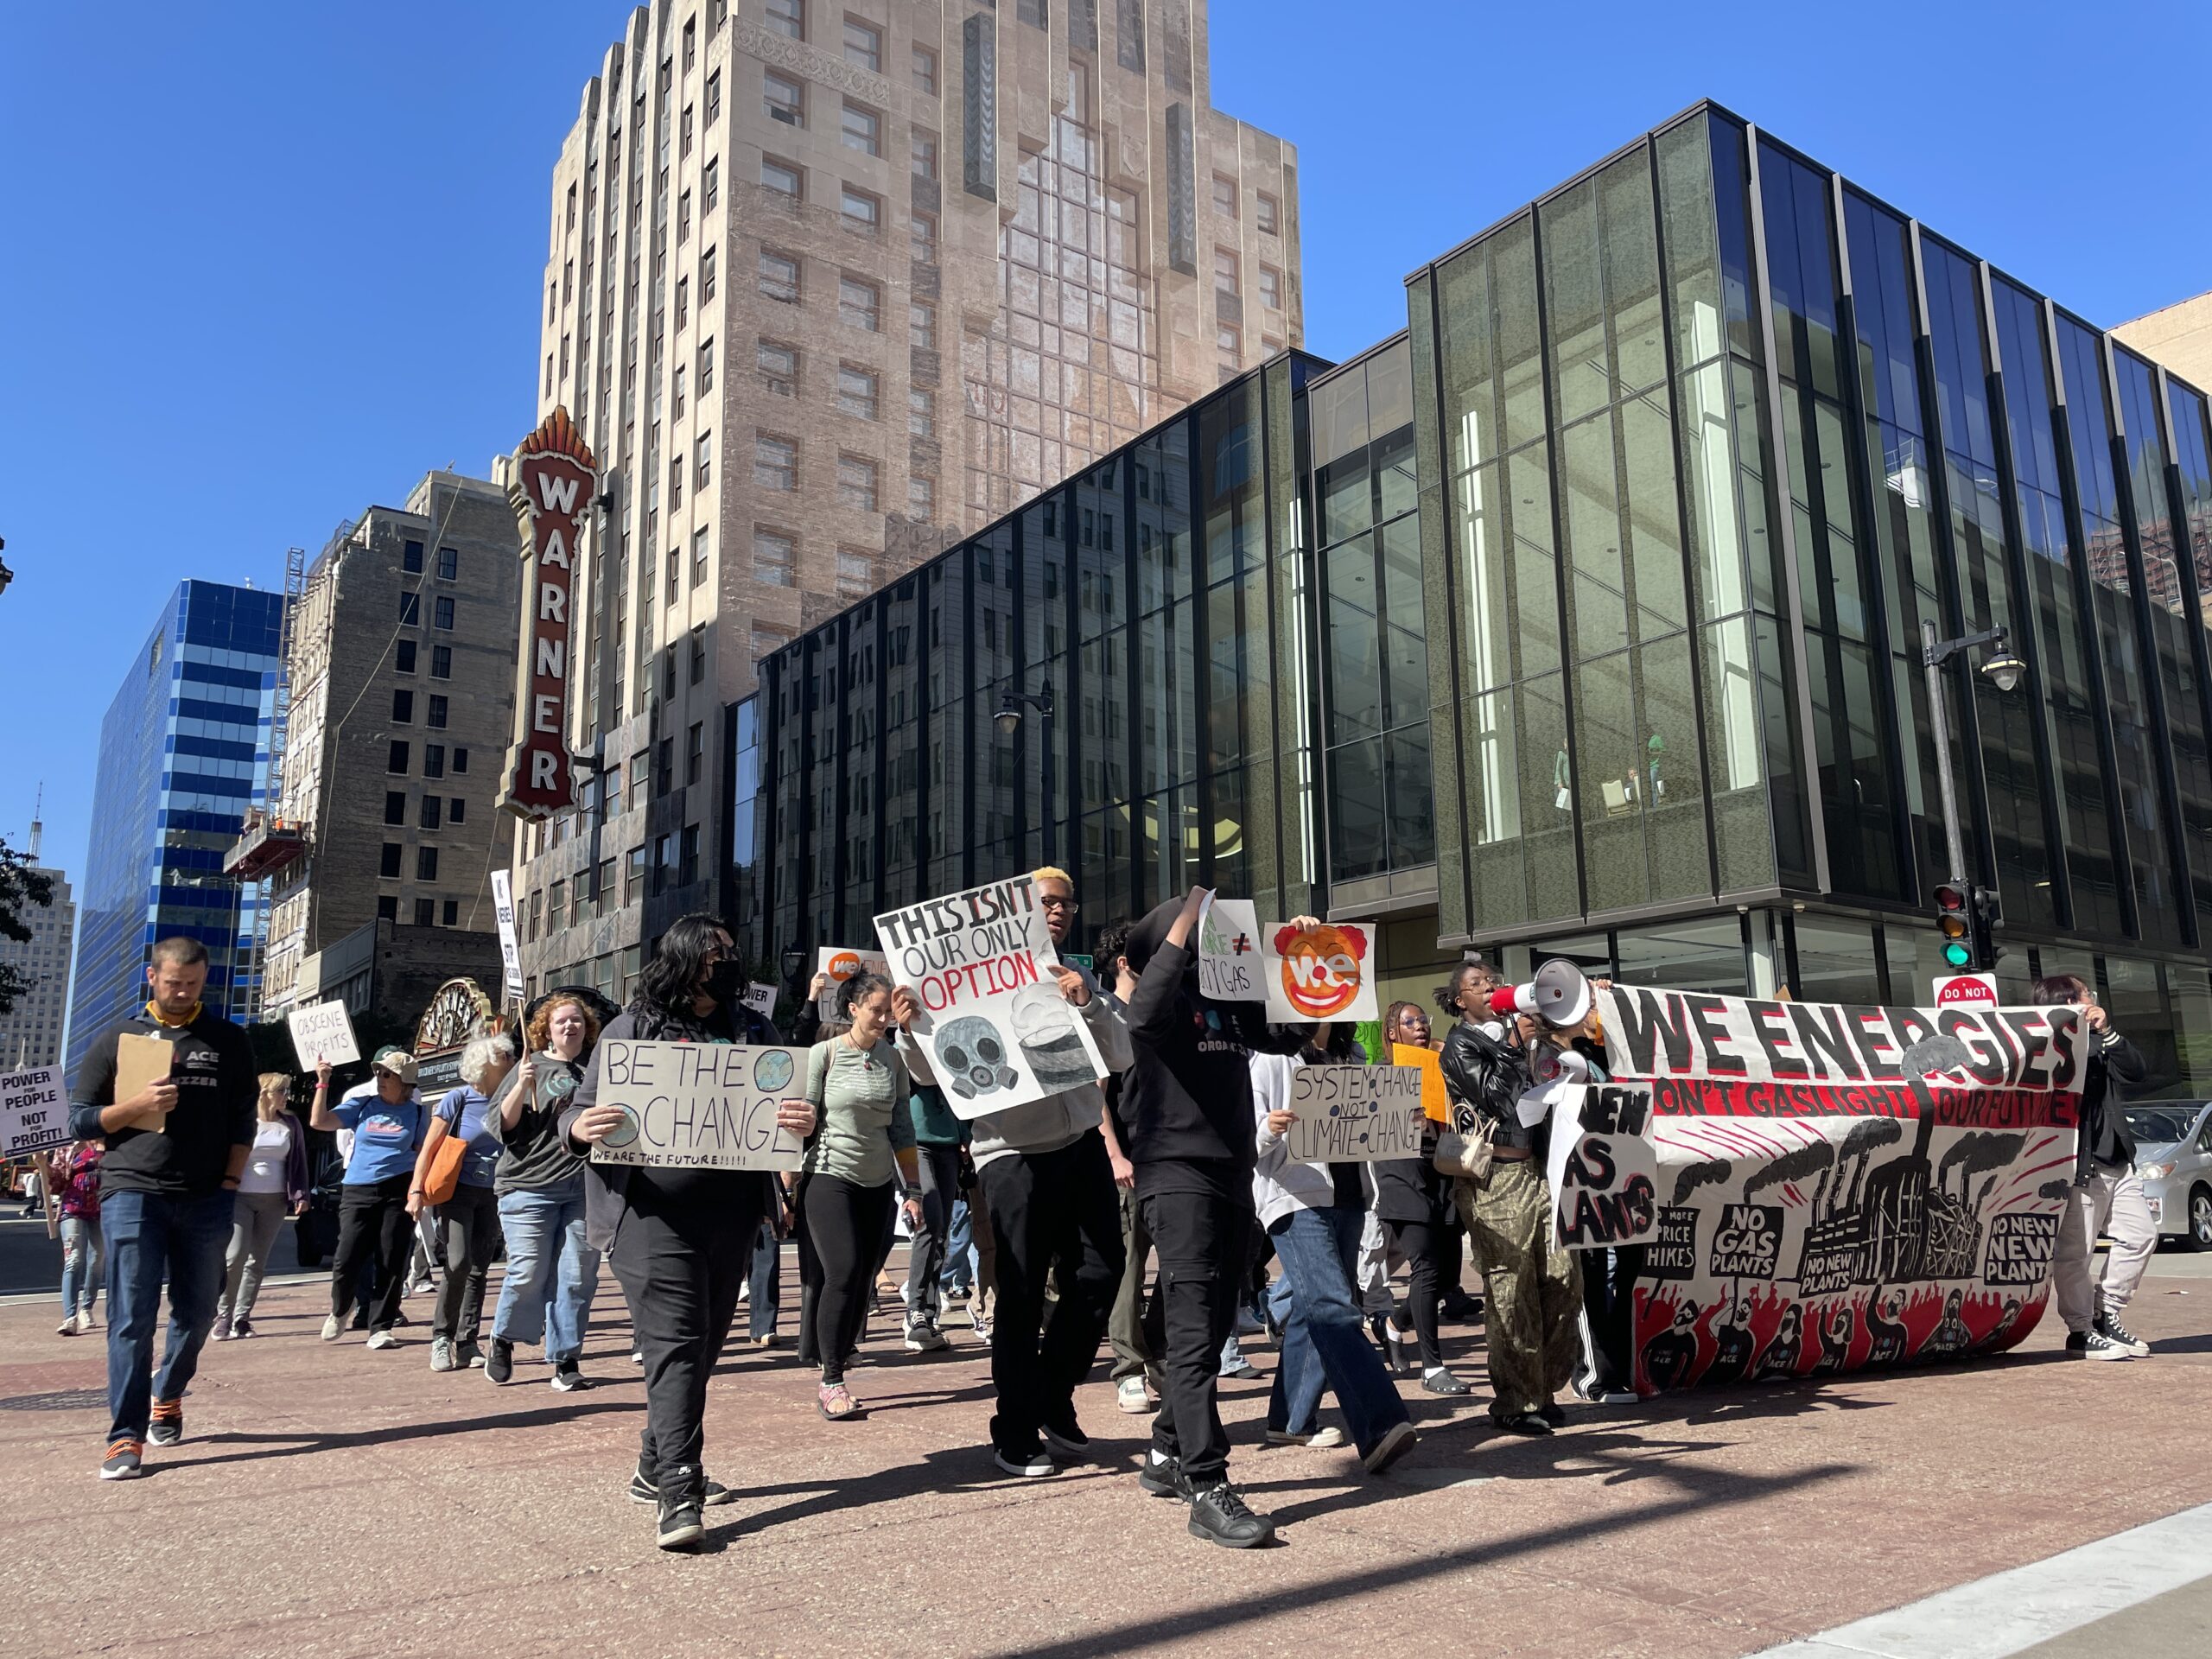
680	1241
552	1265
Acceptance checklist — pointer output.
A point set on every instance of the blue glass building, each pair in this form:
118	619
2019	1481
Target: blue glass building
184	754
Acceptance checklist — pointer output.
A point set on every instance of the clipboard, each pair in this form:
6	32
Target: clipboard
140	1060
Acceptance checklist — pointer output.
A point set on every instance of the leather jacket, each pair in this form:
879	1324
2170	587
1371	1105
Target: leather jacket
1485	1078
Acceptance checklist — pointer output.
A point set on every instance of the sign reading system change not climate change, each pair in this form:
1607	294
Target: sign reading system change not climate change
698	1105
1354	1114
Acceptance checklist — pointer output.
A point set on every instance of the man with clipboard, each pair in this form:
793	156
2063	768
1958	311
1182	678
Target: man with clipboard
172	1092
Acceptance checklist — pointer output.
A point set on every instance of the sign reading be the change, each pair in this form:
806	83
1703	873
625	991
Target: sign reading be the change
698	1105
1354	1114
34	1117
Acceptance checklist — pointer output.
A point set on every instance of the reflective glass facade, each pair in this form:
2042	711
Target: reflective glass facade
1585	618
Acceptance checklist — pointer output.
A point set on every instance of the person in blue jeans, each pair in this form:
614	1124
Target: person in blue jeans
552	1271
177	1149
1314	1213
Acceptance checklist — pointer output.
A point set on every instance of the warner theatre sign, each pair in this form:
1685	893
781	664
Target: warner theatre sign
554	479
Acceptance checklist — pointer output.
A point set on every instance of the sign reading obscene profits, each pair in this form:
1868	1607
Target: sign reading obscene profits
34	1117
554	476
698	1105
996	1029
1354	1114
322	1032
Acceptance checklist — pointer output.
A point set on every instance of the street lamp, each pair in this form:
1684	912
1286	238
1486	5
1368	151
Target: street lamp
794	962
1008	721
2002	669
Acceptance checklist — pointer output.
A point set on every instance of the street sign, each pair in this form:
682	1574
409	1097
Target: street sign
1954	989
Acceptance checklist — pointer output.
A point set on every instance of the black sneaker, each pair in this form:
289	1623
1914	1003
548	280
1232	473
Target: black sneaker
644	1491
569	1378
168	1427
499	1366
1553	1414
1027	1459
1219	1517
1521	1422
1163	1477
1395	1445
1066	1440
680	1526
2094	1345
2110	1328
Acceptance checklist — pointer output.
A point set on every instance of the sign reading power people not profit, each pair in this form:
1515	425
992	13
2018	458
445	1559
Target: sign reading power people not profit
33	1116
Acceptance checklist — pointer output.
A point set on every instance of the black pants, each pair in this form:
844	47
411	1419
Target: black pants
1056	1219
1608	1300
1423	1246
373	1225
1201	1240
468	1223
680	1275
940	1185
845	1224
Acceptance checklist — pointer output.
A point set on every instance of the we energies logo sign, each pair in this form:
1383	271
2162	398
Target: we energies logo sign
554	479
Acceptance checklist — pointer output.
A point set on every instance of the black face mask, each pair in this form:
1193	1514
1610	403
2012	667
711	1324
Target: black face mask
726	982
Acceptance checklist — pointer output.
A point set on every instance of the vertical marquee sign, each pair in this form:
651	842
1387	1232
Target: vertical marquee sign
555	482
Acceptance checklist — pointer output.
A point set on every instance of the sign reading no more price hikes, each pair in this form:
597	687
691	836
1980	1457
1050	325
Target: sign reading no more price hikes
34	1117
1354	1114
698	1105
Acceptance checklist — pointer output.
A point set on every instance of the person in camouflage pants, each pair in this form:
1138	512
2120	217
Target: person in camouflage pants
1534	1289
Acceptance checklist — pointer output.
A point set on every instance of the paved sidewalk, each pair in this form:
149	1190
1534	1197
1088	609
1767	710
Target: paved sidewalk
332	1501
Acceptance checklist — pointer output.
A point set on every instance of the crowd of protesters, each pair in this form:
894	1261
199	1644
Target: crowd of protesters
1141	1213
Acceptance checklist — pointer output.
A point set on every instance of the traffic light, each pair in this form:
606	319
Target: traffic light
1988	922
1953	925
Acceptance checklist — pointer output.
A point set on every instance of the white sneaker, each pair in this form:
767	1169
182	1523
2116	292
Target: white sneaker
383	1339
332	1328
1321	1439
86	1320
1132	1396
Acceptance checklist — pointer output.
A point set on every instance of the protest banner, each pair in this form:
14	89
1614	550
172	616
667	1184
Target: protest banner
1603	1172
841	965
323	1032
1834	1187
34	1115
698	1105
996	1029
503	910
1230	961
1354	1114
1320	973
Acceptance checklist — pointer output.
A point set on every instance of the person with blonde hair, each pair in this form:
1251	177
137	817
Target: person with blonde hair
468	1219
274	1185
552	1269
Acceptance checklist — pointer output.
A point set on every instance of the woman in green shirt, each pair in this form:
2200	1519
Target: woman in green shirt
861	1154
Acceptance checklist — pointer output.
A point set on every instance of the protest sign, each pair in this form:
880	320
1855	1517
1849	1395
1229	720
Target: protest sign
1434	1101
1324	972
1354	1114
1837	1187
761	999
1604	1171
996	1029
1230	961
503	910
322	1033
34	1115
841	965
698	1105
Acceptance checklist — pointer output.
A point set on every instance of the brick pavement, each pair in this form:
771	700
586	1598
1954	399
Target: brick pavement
332	1501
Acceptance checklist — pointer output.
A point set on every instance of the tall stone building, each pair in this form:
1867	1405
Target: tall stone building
401	674
827	286
30	1033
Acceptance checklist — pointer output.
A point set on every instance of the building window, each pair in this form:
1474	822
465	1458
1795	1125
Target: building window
434	759
411	610
855	574
457	811
461	760
921	412
787	17
714	97
710	185
859	304
856	483
388	866
634	875
1224	272
862	130
863	213
864	45
443	616
448	564
1231	343
698	655
396	757
678	394
702	462
388	908
707	276
767	641
426	863
683	218
926	70
451	910
924	154
782	177
410	558
1271	288
403	660
706	368
438	718
778	368
425	913
695	753
395	807
921	325
774	556
687	871
1225	196
856	391
921	238
775	463
779	275
441	662
1264	214
921	496
784	98
556	903
432	806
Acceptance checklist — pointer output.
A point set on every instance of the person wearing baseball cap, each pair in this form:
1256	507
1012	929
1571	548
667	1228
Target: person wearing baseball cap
389	1119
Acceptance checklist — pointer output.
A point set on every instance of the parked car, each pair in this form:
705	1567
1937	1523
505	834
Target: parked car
2173	1156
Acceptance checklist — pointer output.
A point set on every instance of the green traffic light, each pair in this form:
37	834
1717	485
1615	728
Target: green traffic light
1956	954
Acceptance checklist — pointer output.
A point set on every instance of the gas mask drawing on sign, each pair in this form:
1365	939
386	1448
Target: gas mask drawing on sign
976	1055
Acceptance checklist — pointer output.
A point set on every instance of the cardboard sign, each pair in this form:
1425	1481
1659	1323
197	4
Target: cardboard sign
996	1029
1435	1101
1603	1172
322	1033
140	1060
503	907
34	1112
1231	962
761	999
1320	973
841	965
698	1105
1354	1114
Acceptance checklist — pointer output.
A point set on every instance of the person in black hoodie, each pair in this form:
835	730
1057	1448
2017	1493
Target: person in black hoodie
2107	1196
679	1241
1186	1125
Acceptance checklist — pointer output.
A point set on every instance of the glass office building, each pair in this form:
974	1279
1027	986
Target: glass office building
1583	618
184	754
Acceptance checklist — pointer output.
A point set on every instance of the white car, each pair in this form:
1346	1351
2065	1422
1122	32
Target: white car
2173	1157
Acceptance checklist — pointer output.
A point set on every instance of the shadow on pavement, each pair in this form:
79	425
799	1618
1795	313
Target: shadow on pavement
307	1443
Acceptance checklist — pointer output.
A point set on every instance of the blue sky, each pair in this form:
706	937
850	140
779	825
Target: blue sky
265	264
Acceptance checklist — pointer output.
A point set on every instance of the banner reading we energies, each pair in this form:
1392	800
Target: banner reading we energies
995	1025
1826	1187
